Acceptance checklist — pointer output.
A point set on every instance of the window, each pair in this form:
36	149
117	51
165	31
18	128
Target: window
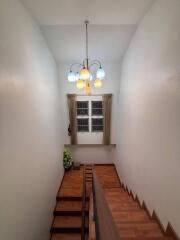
89	116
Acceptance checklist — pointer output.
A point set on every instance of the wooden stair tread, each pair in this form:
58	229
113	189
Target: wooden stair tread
68	206
139	230
67	222
70	192
107	176
123	208
66	236
131	216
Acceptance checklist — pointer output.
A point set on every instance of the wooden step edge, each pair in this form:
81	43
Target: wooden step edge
156	218
144	206
137	222
58	236
65	230
128	210
66	198
170	232
69	213
68	230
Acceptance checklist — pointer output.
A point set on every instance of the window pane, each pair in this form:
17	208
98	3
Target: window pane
82	104
97	124
97	121
97	108
97	128
81	111
83	125
82	108
96	104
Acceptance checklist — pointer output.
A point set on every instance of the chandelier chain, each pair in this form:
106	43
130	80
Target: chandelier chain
87	49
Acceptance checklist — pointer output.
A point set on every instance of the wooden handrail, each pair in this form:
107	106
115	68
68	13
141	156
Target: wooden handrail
104	222
92	229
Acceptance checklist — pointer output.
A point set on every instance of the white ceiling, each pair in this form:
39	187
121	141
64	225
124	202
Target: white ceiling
113	24
55	12
106	43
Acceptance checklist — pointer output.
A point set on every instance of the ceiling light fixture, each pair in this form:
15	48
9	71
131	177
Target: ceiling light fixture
83	75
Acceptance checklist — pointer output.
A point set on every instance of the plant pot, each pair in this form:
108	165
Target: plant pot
67	169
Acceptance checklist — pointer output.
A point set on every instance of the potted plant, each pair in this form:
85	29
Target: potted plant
67	159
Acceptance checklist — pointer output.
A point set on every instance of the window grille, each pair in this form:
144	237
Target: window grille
82	108
83	124
97	109
97	124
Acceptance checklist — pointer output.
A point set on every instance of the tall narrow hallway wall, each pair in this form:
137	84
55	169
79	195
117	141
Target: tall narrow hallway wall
30	127
149	112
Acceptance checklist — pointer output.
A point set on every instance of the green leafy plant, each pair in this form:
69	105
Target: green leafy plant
67	159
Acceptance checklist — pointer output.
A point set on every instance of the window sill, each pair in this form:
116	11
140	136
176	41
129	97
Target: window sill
90	145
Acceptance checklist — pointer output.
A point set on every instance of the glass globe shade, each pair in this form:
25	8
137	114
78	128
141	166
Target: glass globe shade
97	83
84	74
80	84
100	74
71	76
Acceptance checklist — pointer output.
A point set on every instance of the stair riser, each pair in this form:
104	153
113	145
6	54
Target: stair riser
69	213
68	230
70	198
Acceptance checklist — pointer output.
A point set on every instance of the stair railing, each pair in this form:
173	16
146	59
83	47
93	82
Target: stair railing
104	222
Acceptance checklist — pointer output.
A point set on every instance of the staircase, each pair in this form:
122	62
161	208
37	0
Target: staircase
132	220
71	214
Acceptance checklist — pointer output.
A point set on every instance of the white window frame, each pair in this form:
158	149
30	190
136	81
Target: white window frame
91	136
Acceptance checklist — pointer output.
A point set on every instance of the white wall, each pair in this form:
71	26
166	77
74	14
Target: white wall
93	154
149	112
30	144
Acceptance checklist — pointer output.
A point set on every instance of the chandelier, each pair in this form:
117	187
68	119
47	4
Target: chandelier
88	73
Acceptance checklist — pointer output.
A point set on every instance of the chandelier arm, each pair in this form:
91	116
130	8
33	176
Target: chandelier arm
72	65
97	62
92	64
